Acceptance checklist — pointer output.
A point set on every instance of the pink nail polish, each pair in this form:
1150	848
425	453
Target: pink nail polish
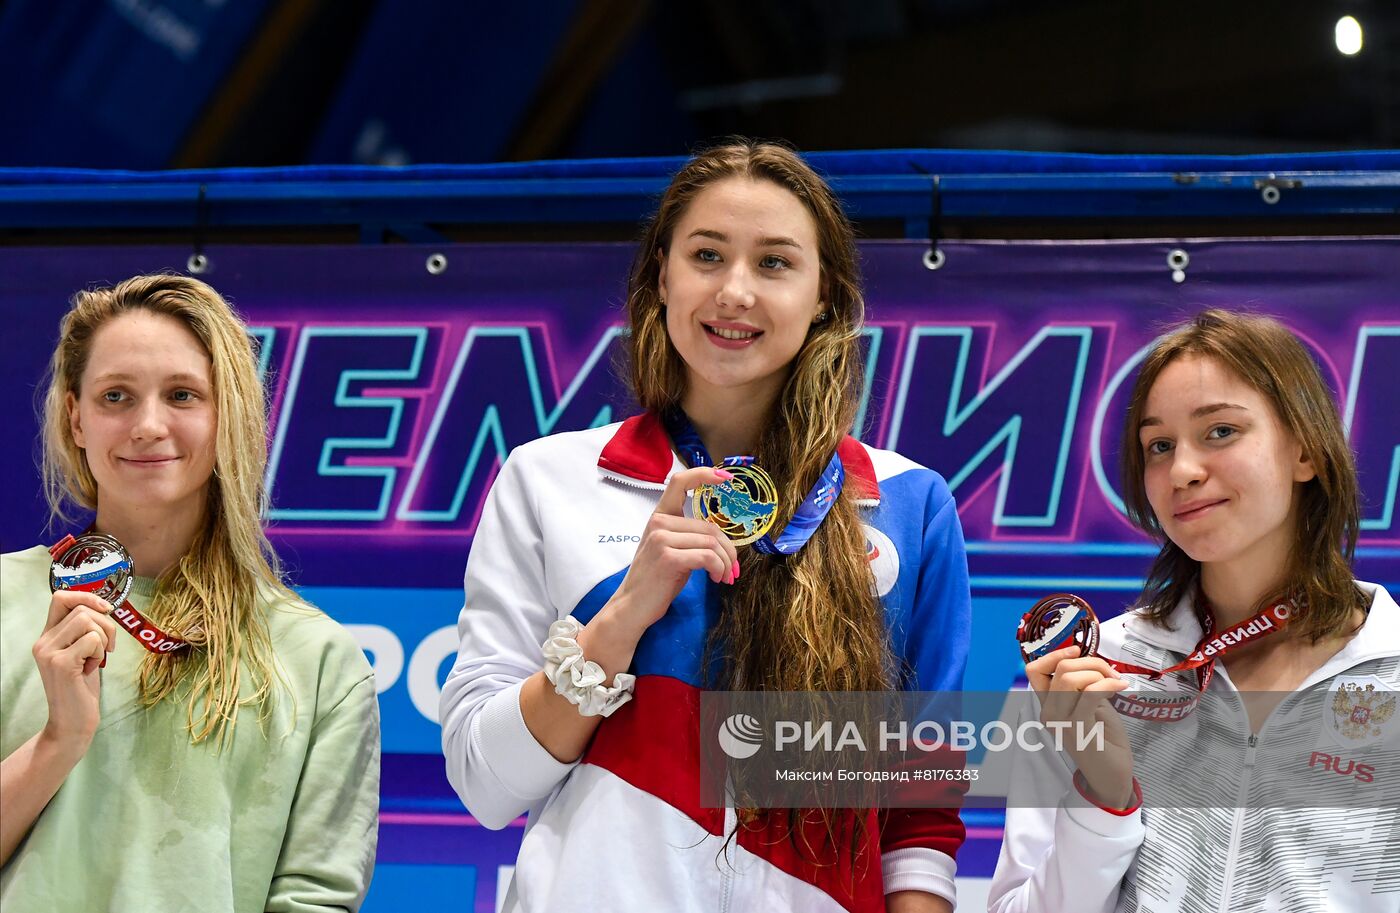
724	474
736	569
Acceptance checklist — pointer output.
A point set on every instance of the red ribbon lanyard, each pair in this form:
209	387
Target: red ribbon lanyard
1157	706
136	624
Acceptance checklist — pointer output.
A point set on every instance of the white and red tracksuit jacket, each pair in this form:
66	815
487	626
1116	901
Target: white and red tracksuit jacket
622	828
1252	857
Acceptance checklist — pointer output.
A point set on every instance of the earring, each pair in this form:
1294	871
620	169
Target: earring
662	301
821	318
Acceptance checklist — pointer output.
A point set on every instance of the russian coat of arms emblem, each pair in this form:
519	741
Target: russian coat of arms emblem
1360	712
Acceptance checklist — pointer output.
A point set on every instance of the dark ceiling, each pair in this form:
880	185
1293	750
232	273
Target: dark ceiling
412	81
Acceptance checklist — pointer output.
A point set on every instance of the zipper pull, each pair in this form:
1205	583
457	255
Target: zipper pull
1249	751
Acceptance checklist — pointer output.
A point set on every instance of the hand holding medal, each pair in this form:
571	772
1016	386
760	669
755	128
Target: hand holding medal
1059	638
78	633
734	504
746	505
672	547
100	565
97	565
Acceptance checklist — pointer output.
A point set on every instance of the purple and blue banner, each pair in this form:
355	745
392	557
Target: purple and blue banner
396	392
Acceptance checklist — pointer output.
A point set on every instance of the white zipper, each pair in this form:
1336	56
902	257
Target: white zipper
726	870
1242	797
1232	853
631	482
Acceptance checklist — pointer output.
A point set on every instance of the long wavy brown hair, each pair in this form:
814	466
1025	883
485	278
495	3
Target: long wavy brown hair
213	595
1264	354
809	622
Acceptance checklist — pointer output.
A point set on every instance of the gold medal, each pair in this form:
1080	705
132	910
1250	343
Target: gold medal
745	507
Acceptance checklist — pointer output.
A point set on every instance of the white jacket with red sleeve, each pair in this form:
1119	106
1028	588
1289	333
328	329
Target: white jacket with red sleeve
623	829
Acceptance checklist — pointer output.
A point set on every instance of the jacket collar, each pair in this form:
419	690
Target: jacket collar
640	450
1181	634
1379	636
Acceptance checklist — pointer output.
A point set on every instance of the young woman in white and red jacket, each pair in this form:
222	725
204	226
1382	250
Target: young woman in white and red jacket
1235	457
745	315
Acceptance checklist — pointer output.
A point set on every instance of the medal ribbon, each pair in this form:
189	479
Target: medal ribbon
1202	660
810	513
140	627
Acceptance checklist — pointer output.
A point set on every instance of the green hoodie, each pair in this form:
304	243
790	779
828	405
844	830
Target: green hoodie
283	819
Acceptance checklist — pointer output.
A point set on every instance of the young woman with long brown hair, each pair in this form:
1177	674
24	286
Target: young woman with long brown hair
590	629
232	762
1235	458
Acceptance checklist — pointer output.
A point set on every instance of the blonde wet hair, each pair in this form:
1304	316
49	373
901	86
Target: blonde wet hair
214	595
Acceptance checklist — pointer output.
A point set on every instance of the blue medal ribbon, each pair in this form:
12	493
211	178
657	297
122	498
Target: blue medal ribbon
810	513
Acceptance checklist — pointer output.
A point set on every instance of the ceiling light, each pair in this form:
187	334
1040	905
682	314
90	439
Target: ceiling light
1348	34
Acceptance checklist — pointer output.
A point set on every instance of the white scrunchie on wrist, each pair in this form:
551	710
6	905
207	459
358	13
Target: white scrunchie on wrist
577	679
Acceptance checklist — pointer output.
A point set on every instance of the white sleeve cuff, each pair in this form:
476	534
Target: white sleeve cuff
521	764
1104	824
917	868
